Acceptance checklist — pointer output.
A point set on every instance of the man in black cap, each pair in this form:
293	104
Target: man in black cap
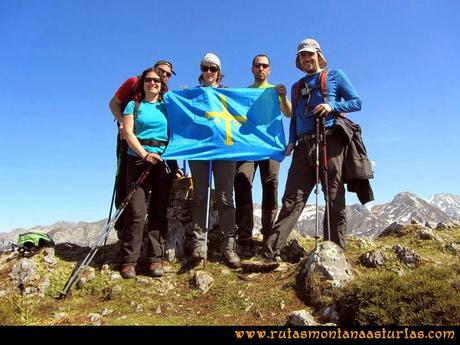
117	104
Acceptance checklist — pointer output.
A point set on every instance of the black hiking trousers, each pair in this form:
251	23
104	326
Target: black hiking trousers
244	178
158	184
120	180
121	183
300	182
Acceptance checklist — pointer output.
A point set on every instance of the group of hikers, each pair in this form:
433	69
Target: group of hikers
143	136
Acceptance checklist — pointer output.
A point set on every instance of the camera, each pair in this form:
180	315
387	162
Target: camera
309	111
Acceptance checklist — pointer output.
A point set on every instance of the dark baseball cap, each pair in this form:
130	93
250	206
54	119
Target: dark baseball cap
164	62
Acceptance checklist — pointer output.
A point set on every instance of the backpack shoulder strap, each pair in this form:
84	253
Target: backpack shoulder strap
137	105
323	83
323	88
297	91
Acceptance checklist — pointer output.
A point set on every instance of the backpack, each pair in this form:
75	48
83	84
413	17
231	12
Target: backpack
35	238
30	242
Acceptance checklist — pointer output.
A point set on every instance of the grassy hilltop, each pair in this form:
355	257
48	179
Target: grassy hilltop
392	294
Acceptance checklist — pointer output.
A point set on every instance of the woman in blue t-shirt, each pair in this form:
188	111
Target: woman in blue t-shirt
146	131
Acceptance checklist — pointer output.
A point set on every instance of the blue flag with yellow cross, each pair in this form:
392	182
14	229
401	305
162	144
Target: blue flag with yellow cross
208	123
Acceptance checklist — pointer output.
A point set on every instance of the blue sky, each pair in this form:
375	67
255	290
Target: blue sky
62	61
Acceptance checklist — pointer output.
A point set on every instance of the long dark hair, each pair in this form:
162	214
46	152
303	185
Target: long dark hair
139	88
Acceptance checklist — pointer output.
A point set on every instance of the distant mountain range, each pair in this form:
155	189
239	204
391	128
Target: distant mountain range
361	220
369	221
80	233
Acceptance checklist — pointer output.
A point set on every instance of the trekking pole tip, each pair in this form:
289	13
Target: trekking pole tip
62	295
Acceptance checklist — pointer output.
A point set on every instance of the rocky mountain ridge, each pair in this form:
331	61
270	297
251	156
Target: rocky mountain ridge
372	220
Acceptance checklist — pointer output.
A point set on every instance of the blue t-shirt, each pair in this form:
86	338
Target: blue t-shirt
342	97
150	124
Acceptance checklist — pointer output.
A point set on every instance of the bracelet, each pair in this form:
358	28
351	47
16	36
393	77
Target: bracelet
146	156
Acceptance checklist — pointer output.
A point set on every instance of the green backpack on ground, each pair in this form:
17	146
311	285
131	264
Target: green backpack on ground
35	238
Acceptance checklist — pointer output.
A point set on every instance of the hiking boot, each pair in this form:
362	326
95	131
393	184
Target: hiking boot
266	254
197	255
198	252
155	270
244	239
128	272
231	258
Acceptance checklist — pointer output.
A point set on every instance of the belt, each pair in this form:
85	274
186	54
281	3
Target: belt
307	137
153	143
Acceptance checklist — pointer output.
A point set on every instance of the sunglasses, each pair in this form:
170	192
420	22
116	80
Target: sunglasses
209	68
149	80
263	65
168	74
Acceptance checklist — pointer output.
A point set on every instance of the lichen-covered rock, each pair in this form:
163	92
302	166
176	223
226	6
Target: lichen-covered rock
407	255
301	318
49	258
202	281
393	229
329	264
23	273
373	258
330	314
453	248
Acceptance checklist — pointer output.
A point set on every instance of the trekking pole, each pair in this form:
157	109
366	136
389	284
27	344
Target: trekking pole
117	173
326	184
78	270
110	216
184	168
316	180
208	203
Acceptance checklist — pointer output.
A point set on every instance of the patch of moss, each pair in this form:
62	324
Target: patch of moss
426	296
316	288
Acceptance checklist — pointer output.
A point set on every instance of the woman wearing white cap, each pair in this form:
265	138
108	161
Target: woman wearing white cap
308	103
224	174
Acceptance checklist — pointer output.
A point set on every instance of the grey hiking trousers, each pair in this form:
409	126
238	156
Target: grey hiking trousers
223	175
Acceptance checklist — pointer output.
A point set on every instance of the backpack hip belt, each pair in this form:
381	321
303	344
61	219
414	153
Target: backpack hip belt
153	143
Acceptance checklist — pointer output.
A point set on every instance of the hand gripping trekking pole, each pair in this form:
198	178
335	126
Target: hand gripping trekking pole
208	203
316	179
77	272
326	183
